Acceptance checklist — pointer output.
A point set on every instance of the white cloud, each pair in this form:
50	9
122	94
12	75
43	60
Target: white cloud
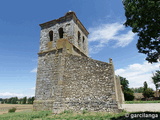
124	39
19	95
9	94
30	92
33	88
103	34
34	70
138	73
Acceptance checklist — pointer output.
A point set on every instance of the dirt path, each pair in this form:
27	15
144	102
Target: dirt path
5	107
155	107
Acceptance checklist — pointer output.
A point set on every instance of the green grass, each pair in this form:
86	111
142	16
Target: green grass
85	116
66	115
69	115
136	102
28	115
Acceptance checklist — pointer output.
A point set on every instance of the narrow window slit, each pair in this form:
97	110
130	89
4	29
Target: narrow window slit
60	32
51	35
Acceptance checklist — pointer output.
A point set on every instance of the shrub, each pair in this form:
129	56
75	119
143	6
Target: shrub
12	110
148	92
128	95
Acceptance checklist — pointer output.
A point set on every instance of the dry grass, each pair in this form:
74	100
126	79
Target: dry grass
5	107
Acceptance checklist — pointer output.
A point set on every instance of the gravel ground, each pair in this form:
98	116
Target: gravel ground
154	107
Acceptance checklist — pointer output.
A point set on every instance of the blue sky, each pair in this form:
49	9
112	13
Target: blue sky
20	34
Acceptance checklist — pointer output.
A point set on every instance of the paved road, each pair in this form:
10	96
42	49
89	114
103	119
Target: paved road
141	107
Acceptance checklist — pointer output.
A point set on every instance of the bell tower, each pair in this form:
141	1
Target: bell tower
59	38
67	79
67	28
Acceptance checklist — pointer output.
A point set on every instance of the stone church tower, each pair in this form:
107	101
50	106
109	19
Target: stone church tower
67	79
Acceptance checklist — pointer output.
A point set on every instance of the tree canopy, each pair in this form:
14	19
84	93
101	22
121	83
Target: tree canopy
128	93
124	82
156	79
147	92
145	85
137	90
143	16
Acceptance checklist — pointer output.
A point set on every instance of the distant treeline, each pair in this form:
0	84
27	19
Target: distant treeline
16	100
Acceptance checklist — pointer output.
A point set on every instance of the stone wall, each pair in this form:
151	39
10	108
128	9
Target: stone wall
71	26
89	84
120	95
49	74
66	78
70	82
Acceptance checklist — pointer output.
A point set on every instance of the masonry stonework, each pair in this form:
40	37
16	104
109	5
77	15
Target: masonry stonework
67	79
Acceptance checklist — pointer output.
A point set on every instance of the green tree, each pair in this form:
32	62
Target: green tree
12	100
145	86
9	100
124	82
128	93
33	99
24	100
143	17
6	100
156	80
30	100
20	100
137	90
2	102
147	92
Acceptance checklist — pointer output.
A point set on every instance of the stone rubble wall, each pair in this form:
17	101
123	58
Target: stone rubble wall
120	95
66	78
70	29
88	84
70	82
49	74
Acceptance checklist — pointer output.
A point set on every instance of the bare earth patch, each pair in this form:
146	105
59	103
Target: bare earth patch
152	107
5	107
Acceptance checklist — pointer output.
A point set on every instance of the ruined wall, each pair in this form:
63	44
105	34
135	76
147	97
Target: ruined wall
74	82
